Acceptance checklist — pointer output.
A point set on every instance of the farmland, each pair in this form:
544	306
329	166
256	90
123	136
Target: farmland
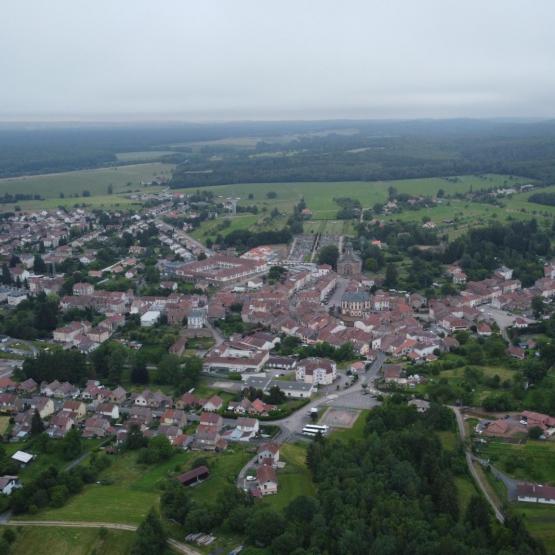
319	197
75	182
71	541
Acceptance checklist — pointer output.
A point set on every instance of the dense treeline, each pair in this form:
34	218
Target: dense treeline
518	245
543	198
393	493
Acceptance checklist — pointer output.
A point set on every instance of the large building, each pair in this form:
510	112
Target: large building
349	263
316	371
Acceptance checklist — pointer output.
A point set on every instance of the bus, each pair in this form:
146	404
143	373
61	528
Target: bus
315	429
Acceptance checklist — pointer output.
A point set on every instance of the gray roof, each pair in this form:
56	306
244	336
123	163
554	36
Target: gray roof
291	386
355	296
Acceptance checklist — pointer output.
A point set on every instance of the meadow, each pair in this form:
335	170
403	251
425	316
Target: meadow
319	197
127	489
75	182
71	541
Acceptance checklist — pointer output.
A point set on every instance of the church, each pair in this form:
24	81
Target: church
349	263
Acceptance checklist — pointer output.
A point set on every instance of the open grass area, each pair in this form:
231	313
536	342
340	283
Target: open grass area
294	479
224	468
4	424
143	155
126	493
319	197
533	461
540	521
449	440
71	541
95	181
465	489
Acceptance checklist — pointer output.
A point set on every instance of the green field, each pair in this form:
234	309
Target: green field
540	521
71	541
294	479
128	490
143	155
75	182
533	461
319	198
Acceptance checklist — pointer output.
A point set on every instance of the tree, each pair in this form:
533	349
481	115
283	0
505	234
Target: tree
139	373
391	275
535	432
110	189
477	513
37	425
264	525
71	445
150	538
135	439
537	306
175	503
329	255
39	265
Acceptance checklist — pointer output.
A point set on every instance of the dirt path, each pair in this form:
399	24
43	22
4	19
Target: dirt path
177	546
473	472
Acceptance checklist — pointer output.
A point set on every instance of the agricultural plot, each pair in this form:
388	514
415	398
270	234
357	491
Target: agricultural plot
319	197
95	181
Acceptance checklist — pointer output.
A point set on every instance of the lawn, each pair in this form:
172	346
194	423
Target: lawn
449	440
71	541
465	489
4	424
224	468
540	521
127	492
294	479
533	461
75	182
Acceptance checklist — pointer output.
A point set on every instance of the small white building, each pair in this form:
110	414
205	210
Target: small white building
8	484
22	457
149	318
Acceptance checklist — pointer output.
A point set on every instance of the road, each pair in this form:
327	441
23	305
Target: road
294	422
218	337
177	546
470	463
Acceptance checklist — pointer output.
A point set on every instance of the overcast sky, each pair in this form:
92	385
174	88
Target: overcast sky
281	59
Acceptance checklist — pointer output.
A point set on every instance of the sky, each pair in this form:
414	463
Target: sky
214	60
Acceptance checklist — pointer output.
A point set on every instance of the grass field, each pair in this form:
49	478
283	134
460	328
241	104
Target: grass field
143	155
533	461
540	521
75	182
294	479
319	198
127	492
71	541
4	424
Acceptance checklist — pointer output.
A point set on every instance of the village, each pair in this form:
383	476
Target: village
289	348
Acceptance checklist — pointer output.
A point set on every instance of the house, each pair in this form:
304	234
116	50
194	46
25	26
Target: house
8	484
248	425
483	330
197	318
108	410
76	408
266	480
194	476
28	386
535	493
516	352
316	371
60	424
96	426
212	420
8	403
118	395
188	400
43	405
537	419
213	404
174	417
268	453
82	288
